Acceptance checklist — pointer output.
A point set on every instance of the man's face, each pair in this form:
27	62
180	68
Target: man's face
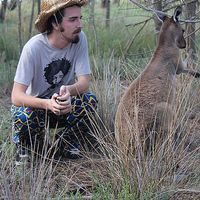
71	24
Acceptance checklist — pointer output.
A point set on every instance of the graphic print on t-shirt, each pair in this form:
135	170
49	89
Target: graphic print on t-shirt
54	74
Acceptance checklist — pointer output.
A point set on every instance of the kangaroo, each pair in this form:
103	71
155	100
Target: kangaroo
147	104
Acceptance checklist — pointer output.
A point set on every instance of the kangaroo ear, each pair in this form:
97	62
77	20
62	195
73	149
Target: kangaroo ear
161	16
177	12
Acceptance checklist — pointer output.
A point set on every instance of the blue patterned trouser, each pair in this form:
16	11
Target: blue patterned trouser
30	122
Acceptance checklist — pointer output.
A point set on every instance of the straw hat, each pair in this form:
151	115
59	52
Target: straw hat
50	7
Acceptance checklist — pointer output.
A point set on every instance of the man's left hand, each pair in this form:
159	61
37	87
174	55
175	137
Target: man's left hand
64	100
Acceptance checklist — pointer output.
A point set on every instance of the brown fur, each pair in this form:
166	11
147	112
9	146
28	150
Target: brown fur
148	101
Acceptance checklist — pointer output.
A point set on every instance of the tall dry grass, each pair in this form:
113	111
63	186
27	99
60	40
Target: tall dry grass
171	170
173	165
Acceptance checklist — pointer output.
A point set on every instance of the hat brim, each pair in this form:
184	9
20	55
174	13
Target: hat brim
40	22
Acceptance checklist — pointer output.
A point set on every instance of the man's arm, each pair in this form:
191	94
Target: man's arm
20	98
81	86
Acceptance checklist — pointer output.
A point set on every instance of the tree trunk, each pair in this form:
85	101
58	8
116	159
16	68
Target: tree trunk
11	4
116	2
103	3
31	19
3	10
157	5
91	13
190	12
20	26
108	13
92	26
39	3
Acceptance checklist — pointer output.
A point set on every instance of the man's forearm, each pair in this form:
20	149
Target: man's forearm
77	89
29	101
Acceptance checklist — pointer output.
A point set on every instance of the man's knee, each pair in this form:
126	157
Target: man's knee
90	100
22	114
25	119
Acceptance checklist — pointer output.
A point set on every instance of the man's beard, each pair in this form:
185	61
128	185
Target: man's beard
75	40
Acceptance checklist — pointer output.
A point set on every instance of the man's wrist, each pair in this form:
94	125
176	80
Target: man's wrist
69	88
45	104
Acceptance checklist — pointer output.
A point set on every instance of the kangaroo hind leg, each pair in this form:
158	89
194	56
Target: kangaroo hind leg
159	129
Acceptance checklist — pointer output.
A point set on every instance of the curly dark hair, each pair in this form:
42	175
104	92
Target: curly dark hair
54	67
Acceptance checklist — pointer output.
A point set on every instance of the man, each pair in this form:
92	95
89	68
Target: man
52	81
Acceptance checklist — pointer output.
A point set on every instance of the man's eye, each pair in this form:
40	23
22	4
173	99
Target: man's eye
72	19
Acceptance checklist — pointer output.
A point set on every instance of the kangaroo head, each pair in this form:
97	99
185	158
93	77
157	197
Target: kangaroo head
171	29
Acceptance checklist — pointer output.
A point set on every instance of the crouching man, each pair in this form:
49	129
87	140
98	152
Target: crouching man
52	80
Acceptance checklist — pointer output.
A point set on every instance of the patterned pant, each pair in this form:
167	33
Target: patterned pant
30	123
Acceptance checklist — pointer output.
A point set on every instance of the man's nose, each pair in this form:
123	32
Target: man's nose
79	23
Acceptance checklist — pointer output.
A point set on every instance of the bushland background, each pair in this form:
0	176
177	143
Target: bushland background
122	37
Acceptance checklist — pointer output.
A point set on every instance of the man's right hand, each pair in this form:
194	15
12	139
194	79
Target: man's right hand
58	107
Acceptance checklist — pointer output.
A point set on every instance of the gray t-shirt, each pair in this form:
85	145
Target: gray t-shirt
44	68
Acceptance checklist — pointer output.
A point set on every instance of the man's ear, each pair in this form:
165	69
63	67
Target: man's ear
55	23
176	14
55	26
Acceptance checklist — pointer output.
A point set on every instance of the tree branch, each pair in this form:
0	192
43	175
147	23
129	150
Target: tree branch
164	13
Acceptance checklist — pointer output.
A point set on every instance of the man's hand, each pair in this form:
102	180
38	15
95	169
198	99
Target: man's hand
61	103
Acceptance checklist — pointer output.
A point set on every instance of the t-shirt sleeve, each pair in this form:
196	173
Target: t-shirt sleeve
25	67
82	65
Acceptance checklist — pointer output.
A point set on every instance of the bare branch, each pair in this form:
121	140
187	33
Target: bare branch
134	37
142	22
160	12
192	33
147	9
190	21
